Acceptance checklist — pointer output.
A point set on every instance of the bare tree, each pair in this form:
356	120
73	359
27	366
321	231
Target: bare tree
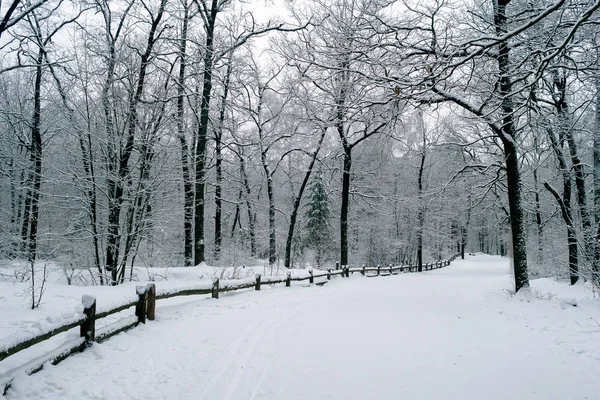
118	165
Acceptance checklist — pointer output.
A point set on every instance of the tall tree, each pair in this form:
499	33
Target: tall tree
118	166
318	228
335	55
188	188
209	11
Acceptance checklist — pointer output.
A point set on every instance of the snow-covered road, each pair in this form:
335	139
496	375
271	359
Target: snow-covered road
447	334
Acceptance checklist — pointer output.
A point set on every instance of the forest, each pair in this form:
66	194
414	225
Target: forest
292	133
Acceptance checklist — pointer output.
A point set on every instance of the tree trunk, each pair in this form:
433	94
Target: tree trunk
270	193
249	207
538	218
298	199
272	242
566	127
464	237
113	229
14	207
188	186
345	206
508	135
565	206
421	212
236	216
519	242
219	164
201	140
26	209
36	160
597	182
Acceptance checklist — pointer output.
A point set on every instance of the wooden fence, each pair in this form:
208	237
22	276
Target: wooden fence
145	306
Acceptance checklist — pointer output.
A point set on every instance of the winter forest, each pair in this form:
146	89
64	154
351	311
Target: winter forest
170	133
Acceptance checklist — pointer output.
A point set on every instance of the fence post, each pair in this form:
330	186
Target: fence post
87	329
329	274
347	271
363	270
391	270
378	270
288	280
337	265
140	307
312	278
151	311
257	286
215	288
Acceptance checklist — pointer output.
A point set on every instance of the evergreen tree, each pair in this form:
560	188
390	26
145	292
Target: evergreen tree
318	229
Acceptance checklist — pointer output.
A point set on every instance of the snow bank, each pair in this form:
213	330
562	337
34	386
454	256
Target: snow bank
447	334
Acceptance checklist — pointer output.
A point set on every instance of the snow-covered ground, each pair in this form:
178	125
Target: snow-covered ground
61	302
454	333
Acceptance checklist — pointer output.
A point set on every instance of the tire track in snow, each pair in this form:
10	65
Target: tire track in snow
223	366
234	384
262	361
226	367
259	381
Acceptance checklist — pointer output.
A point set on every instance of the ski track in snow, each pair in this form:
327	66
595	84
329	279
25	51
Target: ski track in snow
453	333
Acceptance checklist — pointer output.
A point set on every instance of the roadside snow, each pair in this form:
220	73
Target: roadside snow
454	333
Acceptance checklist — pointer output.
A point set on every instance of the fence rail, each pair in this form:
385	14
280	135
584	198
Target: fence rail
145	307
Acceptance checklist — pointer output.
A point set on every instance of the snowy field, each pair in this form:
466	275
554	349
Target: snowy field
454	333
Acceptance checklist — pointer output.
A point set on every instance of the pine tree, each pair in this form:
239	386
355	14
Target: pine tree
318	229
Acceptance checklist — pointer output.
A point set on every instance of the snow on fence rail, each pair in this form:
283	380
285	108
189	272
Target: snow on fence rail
145	306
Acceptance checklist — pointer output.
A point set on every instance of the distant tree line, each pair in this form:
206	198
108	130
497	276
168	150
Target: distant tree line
177	132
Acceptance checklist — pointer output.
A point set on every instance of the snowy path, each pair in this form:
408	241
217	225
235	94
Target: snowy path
447	334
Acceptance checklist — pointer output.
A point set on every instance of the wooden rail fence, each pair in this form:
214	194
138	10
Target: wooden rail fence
145	308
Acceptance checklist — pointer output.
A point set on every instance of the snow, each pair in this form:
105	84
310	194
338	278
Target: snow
87	301
62	304
115	326
39	328
140	290
23	370
457	332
